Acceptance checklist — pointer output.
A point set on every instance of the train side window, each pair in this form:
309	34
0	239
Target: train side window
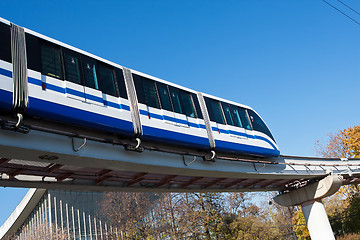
227	113
146	91
244	118
106	79
139	89
50	61
175	98
258	124
89	72
5	42
197	106
33	50
164	96
120	82
214	110
236	116
187	104
72	67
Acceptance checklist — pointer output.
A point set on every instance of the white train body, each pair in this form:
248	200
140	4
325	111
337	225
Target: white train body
70	86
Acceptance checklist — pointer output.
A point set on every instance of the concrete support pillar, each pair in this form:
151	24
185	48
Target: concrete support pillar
309	197
317	221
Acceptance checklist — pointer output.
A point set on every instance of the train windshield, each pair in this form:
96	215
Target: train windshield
258	124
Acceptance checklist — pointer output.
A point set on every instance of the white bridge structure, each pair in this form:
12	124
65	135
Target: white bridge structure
53	157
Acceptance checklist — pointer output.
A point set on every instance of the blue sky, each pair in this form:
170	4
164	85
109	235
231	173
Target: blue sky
296	62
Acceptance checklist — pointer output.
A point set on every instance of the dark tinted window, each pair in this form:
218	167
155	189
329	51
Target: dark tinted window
182	102
214	110
258	124
106	79
227	113
120	83
89	71
164	96
5	42
239	117
146	91
236	114
50	61
175	98
187	105
33	52
72	67
244	118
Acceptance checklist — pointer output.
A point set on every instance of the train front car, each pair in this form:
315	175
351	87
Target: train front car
238	129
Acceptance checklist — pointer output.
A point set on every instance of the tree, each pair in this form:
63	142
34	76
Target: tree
300	225
343	208
131	213
345	143
283	218
187	216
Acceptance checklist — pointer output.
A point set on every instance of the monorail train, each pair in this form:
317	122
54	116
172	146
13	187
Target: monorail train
46	79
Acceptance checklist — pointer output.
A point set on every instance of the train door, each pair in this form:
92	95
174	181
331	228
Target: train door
93	94
179	102
167	110
241	121
217	123
234	123
73	85
246	123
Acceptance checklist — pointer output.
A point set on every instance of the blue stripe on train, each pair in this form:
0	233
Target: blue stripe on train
49	86
61	113
224	146
170	137
6	99
171	119
268	141
5	72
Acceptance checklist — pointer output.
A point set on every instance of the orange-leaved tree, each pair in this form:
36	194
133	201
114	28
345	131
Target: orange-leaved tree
343	144
343	208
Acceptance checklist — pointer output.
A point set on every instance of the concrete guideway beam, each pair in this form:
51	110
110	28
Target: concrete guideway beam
309	197
323	188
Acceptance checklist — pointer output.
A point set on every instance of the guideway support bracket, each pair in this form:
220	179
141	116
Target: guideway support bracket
309	197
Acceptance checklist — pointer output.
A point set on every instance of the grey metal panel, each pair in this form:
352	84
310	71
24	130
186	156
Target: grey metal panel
18	54
206	119
134	108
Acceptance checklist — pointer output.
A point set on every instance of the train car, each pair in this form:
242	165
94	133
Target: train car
46	79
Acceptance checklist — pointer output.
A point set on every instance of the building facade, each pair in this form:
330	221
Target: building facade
58	214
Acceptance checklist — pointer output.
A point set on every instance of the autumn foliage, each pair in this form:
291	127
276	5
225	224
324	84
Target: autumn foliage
186	216
343	208
345	143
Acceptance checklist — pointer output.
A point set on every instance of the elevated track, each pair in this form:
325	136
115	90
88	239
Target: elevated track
49	158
